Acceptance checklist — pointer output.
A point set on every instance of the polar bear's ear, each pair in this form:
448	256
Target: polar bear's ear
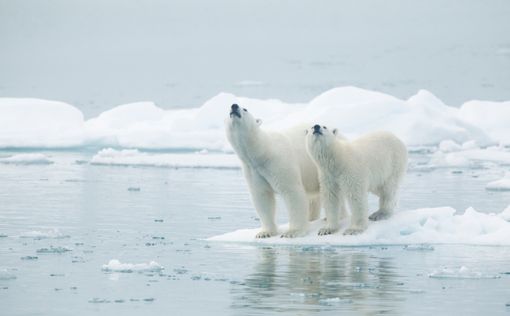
258	121
335	131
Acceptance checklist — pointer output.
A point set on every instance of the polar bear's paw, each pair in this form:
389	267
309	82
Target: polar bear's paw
379	215
327	231
353	231
291	233
264	234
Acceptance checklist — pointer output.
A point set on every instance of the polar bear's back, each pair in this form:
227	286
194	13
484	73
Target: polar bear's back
383	154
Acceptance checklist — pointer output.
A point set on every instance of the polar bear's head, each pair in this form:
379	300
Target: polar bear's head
319	140
241	121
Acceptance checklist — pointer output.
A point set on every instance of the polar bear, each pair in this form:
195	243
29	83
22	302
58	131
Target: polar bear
348	170
275	163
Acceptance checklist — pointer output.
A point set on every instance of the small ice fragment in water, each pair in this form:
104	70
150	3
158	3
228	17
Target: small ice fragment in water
115	265
419	247
462	273
53	250
214	217
97	300
334	301
6	275
150	299
44	234
158	220
29	258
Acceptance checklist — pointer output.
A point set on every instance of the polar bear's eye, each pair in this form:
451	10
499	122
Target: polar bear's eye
245	110
324	127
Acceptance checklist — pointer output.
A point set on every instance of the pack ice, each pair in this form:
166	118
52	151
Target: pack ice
422	119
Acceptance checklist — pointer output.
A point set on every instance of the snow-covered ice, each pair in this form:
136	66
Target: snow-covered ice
440	225
115	265
422	119
502	184
133	157
27	159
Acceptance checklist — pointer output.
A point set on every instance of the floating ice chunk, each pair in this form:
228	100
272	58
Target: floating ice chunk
44	234
449	145
39	123
429	226
6	274
461	273
492	117
470	157
419	247
133	157
502	184
115	265
27	159
334	301
505	214
52	249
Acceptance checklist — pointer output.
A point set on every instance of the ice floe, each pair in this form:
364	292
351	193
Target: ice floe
27	159
442	225
133	157
502	184
422	119
461	273
115	265
44	234
468	155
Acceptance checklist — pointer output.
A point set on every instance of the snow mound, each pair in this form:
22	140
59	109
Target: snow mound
502	184
27	159
491	117
39	123
461	273
421	226
115	265
133	157
423	119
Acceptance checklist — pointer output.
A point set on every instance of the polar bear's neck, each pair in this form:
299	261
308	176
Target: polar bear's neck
250	146
330	157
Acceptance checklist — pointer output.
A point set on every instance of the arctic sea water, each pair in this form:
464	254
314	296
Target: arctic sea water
62	224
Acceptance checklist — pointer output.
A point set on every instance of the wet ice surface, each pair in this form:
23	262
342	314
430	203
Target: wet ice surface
73	237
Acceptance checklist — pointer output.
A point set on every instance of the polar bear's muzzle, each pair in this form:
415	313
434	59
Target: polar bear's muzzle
234	111
317	130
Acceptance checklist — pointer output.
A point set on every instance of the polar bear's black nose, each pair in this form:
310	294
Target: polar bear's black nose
235	107
317	127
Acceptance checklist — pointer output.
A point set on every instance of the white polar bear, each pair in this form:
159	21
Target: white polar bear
275	162
348	170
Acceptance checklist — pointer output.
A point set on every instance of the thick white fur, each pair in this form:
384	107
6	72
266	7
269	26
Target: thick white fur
276	163
348	170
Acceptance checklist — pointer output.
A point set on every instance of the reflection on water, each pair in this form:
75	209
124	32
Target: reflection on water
317	279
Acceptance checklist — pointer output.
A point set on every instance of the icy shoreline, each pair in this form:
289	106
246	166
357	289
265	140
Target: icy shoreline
422	119
413	227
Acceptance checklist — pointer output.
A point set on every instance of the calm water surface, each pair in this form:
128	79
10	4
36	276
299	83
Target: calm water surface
167	221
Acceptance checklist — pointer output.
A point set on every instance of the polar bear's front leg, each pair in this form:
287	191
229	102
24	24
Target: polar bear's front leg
359	212
297	206
333	202
264	201
314	208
